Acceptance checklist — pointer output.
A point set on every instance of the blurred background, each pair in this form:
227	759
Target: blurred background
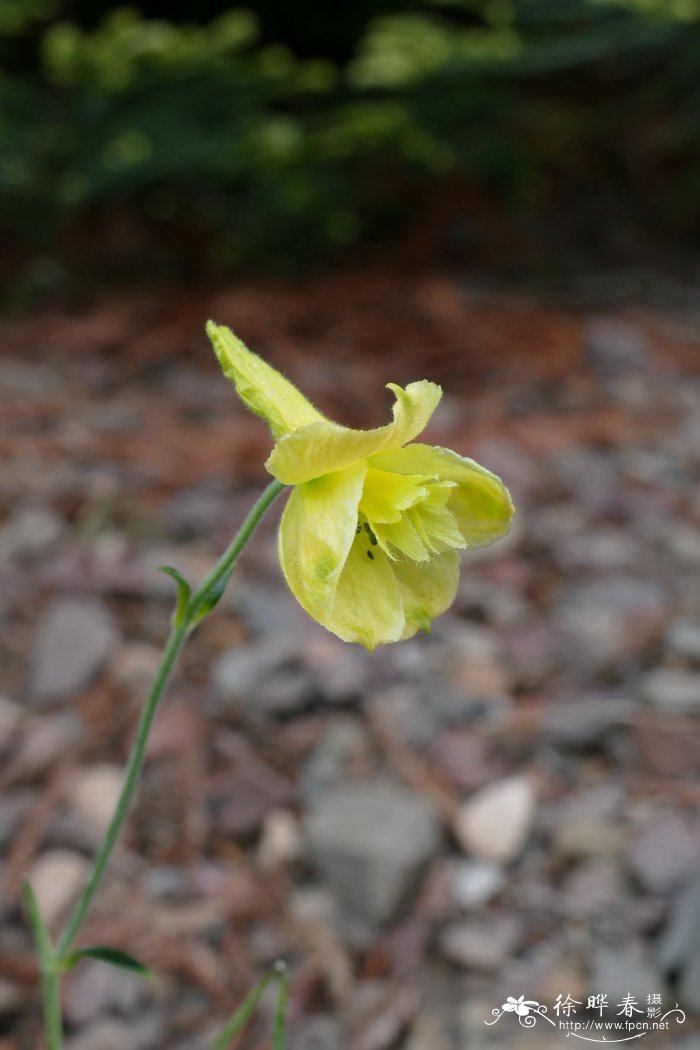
531	134
501	197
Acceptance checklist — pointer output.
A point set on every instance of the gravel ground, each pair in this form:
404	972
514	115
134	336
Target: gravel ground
508	807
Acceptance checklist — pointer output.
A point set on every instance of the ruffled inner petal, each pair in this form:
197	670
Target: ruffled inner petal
480	503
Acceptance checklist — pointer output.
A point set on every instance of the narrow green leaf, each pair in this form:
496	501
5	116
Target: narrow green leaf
238	1020
42	936
111	956
279	1030
183	593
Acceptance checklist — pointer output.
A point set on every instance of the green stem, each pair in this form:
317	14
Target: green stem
133	770
198	606
50	972
222	570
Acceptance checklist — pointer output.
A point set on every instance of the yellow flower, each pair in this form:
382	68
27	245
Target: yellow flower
369	537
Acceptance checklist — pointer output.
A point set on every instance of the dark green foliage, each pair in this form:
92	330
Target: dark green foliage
269	158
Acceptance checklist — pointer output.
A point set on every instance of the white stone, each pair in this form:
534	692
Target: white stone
93	794
495	822
57	878
281	840
475	882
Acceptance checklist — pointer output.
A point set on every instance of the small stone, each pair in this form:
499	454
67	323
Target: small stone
561	977
485	945
94	989
679	939
625	971
73	640
93	795
30	531
12	997
372	841
689	986
319	1032
57	878
45	740
496	821
475	882
339	670
606	620
105	1035
683	639
582	834
682	541
11	718
613	345
594	886
265	676
663	853
344	750
466	759
584	723
672	690
244	799
280	841
13	810
428	1033
134	667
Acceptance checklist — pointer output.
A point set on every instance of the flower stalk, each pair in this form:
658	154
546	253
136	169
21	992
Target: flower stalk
191	610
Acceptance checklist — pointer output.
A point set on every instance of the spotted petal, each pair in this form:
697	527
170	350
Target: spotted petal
322	447
367	606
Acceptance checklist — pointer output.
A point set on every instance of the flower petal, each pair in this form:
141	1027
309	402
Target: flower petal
427	589
316	533
264	390
480	503
322	447
367	603
386	494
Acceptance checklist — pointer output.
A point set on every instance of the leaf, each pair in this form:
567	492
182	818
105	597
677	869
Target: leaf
183	593
111	956
240	1018
279	1030
212	599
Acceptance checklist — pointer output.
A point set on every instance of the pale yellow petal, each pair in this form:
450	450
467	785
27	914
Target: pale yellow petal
480	503
322	447
264	390
367	602
427	589
316	533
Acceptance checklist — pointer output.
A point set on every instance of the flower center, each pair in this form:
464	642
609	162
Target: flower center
407	514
